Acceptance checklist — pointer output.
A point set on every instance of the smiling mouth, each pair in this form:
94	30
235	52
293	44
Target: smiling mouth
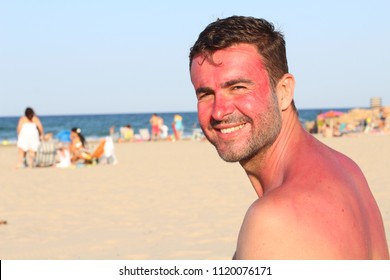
232	129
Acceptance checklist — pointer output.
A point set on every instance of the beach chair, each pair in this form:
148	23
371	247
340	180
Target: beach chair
144	133
99	150
46	154
197	134
104	153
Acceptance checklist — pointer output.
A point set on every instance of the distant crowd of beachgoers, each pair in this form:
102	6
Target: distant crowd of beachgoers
70	147
335	123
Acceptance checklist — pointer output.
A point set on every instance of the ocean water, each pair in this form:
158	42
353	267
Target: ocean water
96	126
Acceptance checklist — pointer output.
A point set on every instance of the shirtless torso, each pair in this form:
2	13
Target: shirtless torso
155	122
322	209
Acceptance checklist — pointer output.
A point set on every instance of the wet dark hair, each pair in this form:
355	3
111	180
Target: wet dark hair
81	136
224	33
29	113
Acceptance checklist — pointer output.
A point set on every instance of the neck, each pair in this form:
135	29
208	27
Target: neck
268	169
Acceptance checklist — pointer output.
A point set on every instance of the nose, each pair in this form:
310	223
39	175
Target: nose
222	107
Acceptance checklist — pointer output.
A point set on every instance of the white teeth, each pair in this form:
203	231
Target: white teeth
232	129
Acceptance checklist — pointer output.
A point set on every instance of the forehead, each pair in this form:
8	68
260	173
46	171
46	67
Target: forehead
241	59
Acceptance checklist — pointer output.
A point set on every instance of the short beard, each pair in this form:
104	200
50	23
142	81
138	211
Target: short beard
264	135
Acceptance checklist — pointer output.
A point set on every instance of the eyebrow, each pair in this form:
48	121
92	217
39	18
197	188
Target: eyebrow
224	85
236	81
203	90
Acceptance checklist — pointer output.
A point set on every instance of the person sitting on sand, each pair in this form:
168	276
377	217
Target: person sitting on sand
78	147
63	155
127	133
104	153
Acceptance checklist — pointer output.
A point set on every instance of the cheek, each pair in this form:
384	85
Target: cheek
255	101
250	104
204	113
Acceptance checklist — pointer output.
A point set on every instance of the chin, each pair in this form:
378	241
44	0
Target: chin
231	156
230	153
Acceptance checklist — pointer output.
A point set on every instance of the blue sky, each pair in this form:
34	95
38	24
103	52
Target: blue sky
117	56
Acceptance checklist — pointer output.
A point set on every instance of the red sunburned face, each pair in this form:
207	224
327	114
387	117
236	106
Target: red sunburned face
236	108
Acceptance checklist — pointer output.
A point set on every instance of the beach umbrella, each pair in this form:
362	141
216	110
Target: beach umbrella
330	114
63	136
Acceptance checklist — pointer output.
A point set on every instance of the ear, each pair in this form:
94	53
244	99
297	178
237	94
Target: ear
285	91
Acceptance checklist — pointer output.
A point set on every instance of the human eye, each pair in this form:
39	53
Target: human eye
238	86
203	94
239	89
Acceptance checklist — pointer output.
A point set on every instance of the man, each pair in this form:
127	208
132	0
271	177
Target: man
155	122
313	202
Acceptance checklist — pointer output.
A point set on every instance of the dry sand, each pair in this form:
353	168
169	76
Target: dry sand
163	200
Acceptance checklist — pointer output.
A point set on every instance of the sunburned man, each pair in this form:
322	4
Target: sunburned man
313	202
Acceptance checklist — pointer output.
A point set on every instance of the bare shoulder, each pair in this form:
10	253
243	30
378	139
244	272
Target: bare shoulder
36	120
301	226
276	229
23	119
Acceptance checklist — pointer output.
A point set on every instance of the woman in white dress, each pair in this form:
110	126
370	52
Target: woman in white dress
30	133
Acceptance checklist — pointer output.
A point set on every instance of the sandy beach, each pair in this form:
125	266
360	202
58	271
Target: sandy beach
163	200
